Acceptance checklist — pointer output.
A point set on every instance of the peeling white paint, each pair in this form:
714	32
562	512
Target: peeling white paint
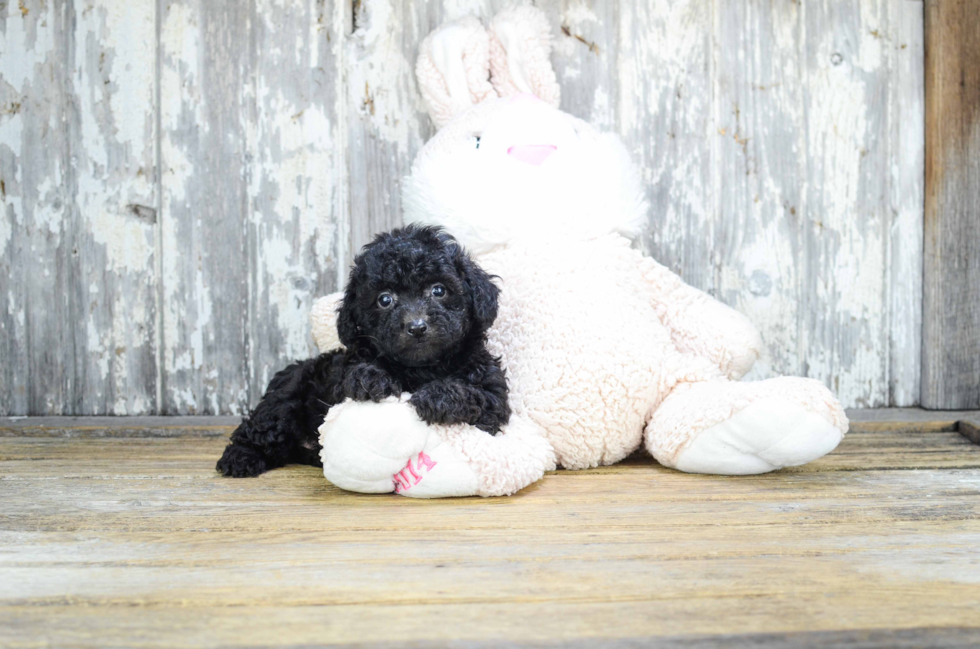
12	205
16	309
49	212
602	115
383	74
6	225
186	309
95	347
114	88
184	399
340	203
577	12
22	53
293	188
128	242
454	9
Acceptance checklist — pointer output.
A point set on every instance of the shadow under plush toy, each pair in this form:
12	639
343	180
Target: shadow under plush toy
606	350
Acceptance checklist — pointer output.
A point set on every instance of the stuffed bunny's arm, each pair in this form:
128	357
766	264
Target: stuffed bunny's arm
700	324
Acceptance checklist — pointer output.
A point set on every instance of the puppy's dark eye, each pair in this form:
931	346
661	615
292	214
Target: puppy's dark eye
385	301
438	290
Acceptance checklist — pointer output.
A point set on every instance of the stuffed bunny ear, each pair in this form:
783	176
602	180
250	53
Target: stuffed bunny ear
520	48
453	69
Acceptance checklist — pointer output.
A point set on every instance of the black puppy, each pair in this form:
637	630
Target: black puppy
413	319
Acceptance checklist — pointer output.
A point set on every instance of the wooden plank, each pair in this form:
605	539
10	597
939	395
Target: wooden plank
911	415
970	429
573	626
386	122
951	311
659	623
881	447
92	498
204	187
585	55
758	142
117	426
113	263
37	181
664	114
846	214
906	420
79	190
296	206
904	50
391	574
235	549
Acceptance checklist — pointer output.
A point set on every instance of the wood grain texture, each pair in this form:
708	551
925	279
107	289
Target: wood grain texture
36	224
781	145
665	116
970	429
906	420
951	321
204	187
906	107
138	542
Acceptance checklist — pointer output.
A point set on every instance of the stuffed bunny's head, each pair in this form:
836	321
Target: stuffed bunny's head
506	164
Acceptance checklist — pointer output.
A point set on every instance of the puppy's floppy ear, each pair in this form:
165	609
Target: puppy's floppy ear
346	324
483	292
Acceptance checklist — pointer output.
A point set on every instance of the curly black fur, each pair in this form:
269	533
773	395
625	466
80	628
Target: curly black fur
413	319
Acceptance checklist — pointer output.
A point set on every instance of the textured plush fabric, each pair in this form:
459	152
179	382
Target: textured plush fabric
520	44
605	349
452	69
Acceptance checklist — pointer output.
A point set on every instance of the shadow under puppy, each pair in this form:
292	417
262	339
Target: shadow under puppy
413	319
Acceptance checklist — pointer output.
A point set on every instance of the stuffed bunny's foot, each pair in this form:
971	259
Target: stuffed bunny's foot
730	428
385	447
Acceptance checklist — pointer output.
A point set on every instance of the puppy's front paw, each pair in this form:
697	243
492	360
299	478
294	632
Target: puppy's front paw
366	382
445	402
241	462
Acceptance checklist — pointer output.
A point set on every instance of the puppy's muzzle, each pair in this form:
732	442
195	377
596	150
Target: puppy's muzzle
417	328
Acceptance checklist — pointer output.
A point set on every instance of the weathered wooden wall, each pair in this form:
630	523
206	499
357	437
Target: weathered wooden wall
180	178
951	291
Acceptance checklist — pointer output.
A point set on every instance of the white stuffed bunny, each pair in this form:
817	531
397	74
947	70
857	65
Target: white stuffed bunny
605	349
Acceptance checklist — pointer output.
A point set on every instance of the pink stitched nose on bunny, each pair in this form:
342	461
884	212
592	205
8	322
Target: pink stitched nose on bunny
533	154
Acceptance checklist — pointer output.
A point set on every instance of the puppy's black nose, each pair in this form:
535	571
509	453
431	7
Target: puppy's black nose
417	328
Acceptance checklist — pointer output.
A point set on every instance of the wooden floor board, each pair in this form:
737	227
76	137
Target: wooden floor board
114	540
